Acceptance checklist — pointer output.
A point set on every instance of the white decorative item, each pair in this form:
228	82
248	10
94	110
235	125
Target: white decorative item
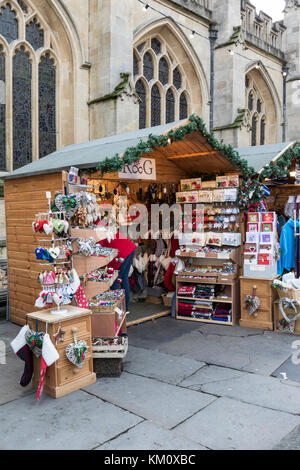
58	299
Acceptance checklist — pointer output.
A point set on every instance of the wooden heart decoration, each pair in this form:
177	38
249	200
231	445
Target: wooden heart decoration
68	204
76	353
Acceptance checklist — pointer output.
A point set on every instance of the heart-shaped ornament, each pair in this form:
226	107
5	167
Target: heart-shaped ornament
66	227
54	252
76	353
58	225
57	299
48	228
68	204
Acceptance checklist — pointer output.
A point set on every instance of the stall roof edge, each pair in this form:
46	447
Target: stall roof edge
260	156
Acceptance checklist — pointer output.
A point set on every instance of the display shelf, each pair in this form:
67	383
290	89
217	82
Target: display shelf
215	299
92	288
86	264
97	233
200	320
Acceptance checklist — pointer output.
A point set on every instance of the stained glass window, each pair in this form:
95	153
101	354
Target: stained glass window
8	23
148	66
262	131
247	82
23	6
177	79
141	46
163	71
135	65
170	106
259	106
155	106
183	107
141	91
250	101
254	131
35	34
47	106
2	111
22	137
156	45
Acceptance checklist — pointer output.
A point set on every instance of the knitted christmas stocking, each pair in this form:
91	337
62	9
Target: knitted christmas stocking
26	355
49	356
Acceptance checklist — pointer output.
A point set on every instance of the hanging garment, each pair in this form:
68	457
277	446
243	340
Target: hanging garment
287	258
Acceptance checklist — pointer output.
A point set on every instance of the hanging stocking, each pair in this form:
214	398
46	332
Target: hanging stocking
49	356
22	350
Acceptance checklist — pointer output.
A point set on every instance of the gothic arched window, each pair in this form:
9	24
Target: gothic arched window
8	23
160	104
30	79
47	106
2	111
35	34
183	111
141	91
256	113
155	106
163	71
170	106
22	112
148	66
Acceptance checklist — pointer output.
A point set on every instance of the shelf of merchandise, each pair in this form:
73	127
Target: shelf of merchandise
233	300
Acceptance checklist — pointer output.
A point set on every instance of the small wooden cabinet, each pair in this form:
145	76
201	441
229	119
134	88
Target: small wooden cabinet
262	288
63	377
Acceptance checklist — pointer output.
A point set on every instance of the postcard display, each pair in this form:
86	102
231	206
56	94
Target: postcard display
207	285
260	253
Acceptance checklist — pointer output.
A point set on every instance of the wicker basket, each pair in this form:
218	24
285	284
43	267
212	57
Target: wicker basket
289	293
167	300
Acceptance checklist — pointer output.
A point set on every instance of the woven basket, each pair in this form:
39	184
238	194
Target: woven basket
104	309
167	300
289	293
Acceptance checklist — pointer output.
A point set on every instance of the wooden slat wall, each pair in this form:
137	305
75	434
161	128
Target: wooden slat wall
25	197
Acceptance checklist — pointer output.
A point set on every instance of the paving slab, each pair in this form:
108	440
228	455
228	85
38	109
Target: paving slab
148	436
291	441
156	401
151	335
78	421
209	374
268	392
159	366
288	371
221	330
257	354
11	371
231	425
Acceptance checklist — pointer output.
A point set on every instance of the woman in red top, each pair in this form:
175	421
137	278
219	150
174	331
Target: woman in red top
122	263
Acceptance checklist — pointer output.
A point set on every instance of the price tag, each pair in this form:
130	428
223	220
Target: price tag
48	194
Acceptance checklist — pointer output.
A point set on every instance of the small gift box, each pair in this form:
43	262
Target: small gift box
221	181
250	258
254	217
230	195
264	259
267	227
218	195
250	248
205	196
214	239
181	197
252	237
191	184
268	216
252	227
209	184
233	181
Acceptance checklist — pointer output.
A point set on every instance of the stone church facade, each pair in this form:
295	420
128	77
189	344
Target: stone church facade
76	70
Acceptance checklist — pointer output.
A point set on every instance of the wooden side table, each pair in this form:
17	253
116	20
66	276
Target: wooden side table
267	295
63	377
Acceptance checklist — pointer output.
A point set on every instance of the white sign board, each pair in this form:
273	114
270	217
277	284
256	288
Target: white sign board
144	169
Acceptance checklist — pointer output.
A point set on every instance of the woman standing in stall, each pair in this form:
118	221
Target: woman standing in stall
122	263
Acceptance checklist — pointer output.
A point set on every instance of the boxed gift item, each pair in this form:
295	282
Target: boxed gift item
221	181
230	195
254	217
232	239
205	196
218	195
191	184
233	181
187	196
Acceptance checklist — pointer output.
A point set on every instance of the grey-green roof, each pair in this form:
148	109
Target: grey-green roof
258	157
89	154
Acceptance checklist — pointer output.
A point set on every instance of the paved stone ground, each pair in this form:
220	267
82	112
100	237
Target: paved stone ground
185	386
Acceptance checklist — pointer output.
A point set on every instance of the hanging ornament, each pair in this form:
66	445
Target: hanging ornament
59	336
76	352
127	189
115	191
